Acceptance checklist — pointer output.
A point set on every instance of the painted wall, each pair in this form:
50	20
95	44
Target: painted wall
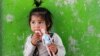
0	30
76	21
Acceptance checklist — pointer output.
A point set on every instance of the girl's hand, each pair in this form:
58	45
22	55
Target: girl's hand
53	48
35	38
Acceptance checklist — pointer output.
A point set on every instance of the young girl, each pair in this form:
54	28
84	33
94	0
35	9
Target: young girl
40	20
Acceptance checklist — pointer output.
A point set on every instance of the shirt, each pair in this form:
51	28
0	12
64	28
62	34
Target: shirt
29	48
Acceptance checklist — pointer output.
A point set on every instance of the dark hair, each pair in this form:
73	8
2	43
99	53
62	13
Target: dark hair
44	13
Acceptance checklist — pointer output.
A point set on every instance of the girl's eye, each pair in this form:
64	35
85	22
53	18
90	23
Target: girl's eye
40	22
33	22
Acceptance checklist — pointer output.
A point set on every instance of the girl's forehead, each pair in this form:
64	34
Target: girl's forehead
34	17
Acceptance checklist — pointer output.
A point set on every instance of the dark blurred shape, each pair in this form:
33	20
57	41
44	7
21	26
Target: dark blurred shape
37	2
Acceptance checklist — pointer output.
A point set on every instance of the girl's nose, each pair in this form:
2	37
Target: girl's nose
37	25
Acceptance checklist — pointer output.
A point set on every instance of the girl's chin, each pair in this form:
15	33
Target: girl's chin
39	32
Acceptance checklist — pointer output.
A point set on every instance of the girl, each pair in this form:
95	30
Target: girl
41	18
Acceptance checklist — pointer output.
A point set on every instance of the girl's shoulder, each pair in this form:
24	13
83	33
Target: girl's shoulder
54	35
56	38
29	37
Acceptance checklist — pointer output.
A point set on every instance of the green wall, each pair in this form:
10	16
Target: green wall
0	30
76	21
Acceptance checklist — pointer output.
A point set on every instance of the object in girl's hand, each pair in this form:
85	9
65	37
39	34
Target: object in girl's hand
46	38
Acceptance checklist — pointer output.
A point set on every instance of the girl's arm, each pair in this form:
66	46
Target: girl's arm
29	48
60	46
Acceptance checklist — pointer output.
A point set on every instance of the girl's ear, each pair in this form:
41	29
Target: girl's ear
48	25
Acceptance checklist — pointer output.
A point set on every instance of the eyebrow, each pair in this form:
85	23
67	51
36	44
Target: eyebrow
38	20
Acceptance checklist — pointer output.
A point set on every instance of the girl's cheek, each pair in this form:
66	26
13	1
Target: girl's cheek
43	27
32	28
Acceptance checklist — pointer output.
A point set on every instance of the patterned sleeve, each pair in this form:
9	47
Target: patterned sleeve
60	46
29	48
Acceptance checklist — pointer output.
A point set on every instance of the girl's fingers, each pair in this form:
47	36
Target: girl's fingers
53	48
38	32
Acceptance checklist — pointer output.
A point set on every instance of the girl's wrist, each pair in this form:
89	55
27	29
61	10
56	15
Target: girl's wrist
33	43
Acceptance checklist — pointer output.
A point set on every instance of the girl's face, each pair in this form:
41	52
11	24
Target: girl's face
37	23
